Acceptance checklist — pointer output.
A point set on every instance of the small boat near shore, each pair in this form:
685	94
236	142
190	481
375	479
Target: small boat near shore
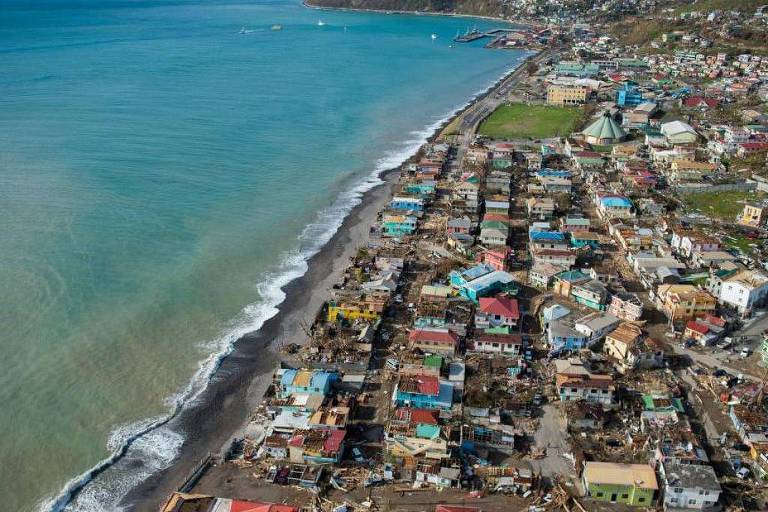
275	28
320	23
434	36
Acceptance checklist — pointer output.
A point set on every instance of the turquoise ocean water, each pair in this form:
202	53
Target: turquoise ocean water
161	175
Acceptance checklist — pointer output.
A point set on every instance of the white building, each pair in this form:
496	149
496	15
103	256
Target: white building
596	325
744	291
690	486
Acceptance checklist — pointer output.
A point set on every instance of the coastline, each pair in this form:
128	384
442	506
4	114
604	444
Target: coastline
242	374
224	407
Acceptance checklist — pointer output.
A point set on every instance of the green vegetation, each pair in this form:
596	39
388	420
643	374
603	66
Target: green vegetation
746	6
740	242
720	205
519	120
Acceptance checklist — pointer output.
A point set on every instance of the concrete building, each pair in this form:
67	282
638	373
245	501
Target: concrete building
564	95
744	291
629	484
689	486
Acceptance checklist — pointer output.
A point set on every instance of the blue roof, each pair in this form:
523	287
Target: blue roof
490	279
615	201
548	235
572	275
319	379
554	172
287	378
477	271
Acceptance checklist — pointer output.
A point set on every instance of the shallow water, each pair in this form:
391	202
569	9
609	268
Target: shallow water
158	174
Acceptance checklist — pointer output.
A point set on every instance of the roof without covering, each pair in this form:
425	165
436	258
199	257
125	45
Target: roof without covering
612	473
691	476
503	339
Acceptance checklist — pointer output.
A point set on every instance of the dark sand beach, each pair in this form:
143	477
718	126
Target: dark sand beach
243	377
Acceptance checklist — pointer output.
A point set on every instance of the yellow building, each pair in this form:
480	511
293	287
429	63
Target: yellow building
753	215
354	311
564	95
685	301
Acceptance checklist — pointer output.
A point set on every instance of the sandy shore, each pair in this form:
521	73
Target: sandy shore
243	376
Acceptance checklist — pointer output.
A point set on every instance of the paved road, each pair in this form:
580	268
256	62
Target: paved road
551	437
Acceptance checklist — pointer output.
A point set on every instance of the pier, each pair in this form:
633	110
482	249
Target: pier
474	34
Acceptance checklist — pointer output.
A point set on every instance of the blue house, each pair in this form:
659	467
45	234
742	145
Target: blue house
481	281
629	95
306	381
562	337
548	240
423	392
461	277
581	239
423	189
553	173
415	204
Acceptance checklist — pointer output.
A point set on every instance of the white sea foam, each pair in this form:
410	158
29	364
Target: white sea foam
147	446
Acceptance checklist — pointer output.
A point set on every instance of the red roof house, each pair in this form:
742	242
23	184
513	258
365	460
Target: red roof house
441	341
499	311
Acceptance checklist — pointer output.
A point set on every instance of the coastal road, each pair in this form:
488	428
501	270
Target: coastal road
482	108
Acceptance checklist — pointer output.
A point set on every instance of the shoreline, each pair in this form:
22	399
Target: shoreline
228	385
240	382
222	409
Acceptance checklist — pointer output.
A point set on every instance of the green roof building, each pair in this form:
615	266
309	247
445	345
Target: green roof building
604	131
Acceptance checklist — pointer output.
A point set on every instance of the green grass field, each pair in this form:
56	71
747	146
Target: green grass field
519	121
721	205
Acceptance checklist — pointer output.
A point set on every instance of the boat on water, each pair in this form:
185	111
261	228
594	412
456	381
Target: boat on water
243	31
277	27
434	36
320	23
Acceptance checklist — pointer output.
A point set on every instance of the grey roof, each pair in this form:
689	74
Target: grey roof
463	222
598	322
690	476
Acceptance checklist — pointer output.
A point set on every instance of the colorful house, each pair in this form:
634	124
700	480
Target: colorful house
321	446
562	337
398	225
548	240
629	484
440	341
183	502
424	188
592	294
614	207
481	281
629	95
498	311
423	392
581	239
351	311
306	381
415	204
